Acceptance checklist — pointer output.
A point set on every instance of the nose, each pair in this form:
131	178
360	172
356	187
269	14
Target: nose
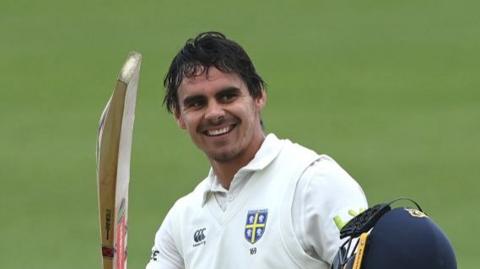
215	113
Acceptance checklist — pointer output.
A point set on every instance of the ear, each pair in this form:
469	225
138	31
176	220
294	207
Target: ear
261	100
179	119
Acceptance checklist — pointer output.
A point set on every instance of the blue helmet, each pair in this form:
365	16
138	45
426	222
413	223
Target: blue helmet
396	238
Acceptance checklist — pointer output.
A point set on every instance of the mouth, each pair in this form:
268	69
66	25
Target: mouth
219	131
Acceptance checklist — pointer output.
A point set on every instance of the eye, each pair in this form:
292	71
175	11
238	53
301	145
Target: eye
194	103
227	97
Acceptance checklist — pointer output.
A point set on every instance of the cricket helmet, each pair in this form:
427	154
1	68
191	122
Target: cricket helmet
396	238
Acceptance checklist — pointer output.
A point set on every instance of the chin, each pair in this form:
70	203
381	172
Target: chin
222	156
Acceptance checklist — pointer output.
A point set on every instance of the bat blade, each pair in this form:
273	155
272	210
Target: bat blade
114	146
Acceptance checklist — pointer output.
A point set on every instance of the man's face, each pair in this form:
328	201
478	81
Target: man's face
220	115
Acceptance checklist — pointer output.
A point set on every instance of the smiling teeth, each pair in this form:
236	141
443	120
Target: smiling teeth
218	131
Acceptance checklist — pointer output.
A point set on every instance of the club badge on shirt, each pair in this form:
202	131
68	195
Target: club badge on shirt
255	225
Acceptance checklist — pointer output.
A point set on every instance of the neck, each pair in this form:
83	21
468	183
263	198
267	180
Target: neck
226	170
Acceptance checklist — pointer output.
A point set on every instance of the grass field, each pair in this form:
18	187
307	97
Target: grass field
390	89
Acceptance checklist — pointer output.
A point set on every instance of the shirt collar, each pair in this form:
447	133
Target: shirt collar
268	151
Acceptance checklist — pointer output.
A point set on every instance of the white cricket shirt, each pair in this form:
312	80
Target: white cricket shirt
255	223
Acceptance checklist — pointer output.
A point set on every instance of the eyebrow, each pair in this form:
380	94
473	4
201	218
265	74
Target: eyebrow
200	97
228	90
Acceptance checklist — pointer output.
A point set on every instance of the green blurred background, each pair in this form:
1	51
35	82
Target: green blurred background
390	89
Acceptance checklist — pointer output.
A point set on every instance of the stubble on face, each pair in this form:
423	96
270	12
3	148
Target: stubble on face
224	105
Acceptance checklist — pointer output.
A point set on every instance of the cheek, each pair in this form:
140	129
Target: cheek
249	119
187	122
253	114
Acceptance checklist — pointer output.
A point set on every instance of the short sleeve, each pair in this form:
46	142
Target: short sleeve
325	199
165	252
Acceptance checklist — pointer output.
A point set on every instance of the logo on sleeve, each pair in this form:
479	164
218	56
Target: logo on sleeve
154	256
255	225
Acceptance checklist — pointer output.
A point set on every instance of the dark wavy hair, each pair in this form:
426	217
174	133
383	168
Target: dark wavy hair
204	51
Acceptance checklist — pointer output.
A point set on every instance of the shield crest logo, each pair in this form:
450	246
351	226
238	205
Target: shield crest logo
255	225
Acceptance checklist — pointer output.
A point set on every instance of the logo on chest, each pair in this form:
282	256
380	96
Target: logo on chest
255	225
199	237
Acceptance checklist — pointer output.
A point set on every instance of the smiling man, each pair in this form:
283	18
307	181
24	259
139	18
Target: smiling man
266	202
222	118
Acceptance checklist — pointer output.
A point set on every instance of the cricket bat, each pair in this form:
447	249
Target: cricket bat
114	146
